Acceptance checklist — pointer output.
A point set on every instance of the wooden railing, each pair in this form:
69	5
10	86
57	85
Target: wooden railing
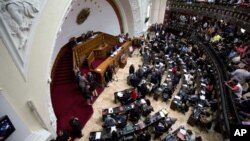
101	51
112	40
93	46
86	48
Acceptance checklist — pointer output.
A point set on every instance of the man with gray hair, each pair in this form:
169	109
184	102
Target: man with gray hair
241	75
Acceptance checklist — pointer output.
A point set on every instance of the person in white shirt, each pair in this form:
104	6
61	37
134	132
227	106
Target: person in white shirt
241	75
131	51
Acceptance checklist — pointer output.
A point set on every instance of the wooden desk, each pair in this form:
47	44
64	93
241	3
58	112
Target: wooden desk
114	60
101	51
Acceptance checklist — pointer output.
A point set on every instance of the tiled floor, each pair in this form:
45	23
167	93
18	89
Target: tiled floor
106	100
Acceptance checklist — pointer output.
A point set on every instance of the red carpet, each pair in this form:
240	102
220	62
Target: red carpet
97	62
67	99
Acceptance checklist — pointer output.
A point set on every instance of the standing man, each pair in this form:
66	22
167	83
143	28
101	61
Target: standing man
76	127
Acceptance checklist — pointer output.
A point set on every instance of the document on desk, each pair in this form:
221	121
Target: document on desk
143	101
185	85
177	97
120	94
162	114
200	105
132	106
183	131
202	97
164	84
98	135
203	84
110	110
113	128
164	111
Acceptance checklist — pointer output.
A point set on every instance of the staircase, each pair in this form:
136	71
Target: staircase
64	69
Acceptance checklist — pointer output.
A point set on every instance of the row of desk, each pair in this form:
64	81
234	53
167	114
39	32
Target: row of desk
179	134
129	129
124	109
167	87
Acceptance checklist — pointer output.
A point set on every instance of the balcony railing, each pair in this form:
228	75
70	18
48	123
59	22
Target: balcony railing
236	15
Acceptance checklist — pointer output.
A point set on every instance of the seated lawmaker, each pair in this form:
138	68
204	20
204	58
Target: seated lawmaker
76	127
144	136
123	57
109	122
244	117
236	87
134	94
159	130
63	136
190	136
121	121
135	114
206	120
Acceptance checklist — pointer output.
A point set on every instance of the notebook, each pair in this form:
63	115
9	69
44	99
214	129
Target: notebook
98	135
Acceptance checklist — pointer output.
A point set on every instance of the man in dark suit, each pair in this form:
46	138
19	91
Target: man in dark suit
76	127
63	136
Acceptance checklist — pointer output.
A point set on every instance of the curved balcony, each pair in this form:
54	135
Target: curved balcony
238	16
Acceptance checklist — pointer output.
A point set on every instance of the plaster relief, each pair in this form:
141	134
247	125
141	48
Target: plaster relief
16	23
18	15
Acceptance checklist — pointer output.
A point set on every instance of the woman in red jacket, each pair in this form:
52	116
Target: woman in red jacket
134	94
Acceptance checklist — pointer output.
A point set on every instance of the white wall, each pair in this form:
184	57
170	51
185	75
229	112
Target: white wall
127	16
21	131
102	18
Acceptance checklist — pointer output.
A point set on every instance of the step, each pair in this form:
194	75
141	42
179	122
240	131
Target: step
62	83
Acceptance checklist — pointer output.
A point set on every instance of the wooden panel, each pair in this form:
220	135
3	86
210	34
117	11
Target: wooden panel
90	59
115	60
112	40
87	47
101	51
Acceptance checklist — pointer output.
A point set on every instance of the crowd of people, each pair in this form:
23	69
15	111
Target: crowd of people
231	43
75	131
87	84
245	3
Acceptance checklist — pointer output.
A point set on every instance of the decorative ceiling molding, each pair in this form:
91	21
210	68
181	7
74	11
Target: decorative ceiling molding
118	14
17	23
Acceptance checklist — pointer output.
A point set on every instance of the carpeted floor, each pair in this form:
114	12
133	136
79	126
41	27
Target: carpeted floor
67	98
68	101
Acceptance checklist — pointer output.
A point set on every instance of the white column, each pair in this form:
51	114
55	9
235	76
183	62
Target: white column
162	11
157	11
